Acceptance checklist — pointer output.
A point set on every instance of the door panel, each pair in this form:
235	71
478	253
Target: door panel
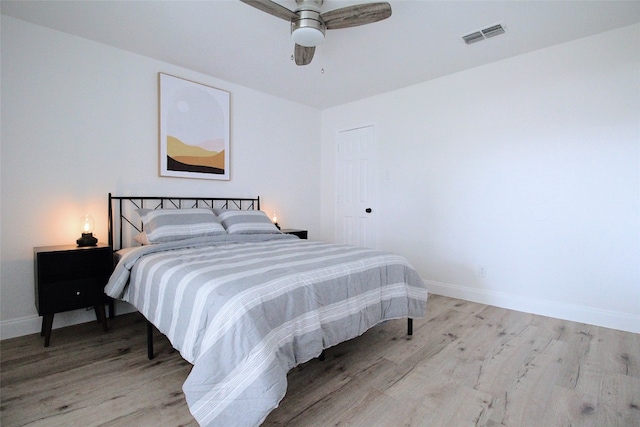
355	192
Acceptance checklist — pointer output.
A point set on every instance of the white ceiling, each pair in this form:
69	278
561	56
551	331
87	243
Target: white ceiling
420	41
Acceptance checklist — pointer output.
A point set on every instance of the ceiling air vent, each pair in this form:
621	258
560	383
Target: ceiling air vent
473	37
477	36
493	31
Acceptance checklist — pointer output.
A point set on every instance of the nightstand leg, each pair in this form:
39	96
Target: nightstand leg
112	308
101	315
47	323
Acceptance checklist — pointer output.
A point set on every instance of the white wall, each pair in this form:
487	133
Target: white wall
80	120
528	167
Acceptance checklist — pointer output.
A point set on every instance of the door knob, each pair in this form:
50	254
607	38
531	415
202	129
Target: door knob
368	210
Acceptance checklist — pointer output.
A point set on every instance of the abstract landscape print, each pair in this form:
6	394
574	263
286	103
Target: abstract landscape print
194	129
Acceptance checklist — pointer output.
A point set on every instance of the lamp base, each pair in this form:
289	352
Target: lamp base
87	239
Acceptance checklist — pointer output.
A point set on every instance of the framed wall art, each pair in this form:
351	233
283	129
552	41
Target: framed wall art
194	129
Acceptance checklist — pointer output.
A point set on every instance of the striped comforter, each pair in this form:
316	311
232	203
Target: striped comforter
244	310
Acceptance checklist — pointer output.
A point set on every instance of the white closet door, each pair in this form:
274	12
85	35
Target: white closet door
356	213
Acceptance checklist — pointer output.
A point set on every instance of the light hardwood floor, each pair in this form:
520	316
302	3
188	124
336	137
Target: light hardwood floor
467	365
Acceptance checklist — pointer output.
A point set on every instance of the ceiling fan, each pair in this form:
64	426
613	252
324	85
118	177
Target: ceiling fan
308	24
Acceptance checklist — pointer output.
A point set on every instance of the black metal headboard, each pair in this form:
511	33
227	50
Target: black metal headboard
124	223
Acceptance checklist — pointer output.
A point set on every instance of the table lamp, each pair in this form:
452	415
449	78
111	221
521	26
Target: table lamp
87	225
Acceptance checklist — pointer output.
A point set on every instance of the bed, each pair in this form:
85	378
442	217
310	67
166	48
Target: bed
243	302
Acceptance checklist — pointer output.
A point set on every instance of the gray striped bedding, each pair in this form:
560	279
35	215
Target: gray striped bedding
246	309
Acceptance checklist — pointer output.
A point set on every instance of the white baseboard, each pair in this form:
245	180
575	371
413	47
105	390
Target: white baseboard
18	327
575	313
32	324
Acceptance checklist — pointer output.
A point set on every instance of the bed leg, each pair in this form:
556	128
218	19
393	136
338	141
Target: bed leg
149	340
321	357
410	327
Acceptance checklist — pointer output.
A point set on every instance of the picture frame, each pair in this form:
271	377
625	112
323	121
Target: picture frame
194	129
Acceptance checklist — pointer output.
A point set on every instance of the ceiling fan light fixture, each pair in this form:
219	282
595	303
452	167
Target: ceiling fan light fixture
308	30
307	36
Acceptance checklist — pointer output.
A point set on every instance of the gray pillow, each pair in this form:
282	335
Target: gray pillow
246	222
167	225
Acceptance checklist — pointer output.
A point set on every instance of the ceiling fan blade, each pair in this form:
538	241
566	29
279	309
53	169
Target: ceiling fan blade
352	16
303	55
272	8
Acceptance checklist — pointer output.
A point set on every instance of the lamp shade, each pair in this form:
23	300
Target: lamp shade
307	36
274	219
88	224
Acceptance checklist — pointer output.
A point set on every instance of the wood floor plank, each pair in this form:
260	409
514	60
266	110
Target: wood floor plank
571	408
467	364
619	400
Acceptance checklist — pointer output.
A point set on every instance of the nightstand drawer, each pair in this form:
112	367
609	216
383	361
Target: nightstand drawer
53	267
71	295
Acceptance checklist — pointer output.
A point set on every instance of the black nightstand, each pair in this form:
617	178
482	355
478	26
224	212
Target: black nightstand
302	234
70	277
